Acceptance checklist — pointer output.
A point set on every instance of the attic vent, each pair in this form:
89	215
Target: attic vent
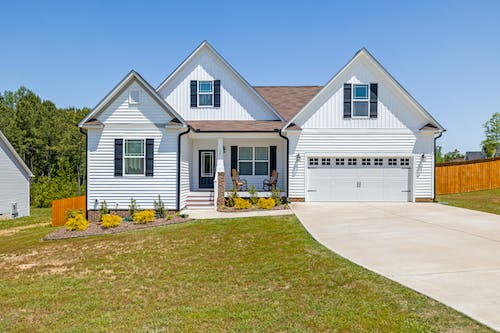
134	97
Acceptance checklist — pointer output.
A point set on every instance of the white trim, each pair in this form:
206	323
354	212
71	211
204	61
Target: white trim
198	93
367	100
206	44
253	160
124	157
131	100
14	153
202	171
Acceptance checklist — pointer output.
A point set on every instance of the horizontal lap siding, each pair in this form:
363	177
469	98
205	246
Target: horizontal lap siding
14	185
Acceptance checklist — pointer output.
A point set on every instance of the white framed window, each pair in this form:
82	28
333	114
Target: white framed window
134	97
352	161
378	161
405	162
339	161
392	161
253	161
134	161
366	161
360	101
326	161
205	93
313	161
207	163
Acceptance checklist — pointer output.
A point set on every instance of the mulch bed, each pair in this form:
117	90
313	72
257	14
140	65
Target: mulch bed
95	229
225	209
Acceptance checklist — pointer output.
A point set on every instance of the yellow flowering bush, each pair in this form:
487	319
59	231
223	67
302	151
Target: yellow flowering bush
110	220
268	203
77	223
240	203
144	217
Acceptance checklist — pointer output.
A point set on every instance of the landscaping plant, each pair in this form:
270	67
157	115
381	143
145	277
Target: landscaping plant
144	217
276	195
240	203
133	207
266	203
78	223
103	210
230	201
254	197
110	221
72	213
160	210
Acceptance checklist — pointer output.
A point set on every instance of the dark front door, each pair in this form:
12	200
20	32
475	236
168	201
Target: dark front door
207	168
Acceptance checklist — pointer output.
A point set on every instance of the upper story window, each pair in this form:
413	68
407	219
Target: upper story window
360	100
134	97
205	93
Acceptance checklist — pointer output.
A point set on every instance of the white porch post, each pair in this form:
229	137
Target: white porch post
219	183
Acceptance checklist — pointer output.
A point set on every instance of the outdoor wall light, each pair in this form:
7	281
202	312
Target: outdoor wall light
422	157
297	157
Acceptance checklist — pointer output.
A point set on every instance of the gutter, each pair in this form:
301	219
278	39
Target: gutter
434	171
287	161
179	168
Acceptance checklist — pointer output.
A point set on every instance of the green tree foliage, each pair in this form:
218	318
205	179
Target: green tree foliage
449	156
491	144
48	140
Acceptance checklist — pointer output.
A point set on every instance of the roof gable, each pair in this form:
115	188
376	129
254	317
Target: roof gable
15	155
206	63
132	78
368	60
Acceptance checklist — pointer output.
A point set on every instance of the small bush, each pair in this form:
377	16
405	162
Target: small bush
144	217
276	195
103	210
160	208
232	197
72	213
110	221
77	223
133	207
266	203
240	203
254	194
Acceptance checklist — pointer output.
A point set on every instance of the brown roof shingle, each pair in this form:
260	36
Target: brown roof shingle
236	125
288	100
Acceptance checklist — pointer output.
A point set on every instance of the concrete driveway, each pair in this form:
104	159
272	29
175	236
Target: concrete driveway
450	254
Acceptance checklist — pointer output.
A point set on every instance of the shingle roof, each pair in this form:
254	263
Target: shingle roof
236	125
287	100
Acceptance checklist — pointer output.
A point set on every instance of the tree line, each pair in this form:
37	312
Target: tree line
48	140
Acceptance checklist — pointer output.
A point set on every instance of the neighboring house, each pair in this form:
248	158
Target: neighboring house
15	179
361	137
474	155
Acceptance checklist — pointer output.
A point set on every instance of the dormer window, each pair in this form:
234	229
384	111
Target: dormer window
360	101
134	97
205	93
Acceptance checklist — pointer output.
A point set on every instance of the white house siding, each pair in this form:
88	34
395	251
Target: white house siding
186	167
361	142
14	185
238	102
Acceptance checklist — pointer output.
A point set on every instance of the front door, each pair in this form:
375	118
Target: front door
207	168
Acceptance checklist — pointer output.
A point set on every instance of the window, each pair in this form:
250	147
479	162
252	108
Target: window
405	162
339	161
253	161
393	161
326	161
205	93
352	161
207	163
134	97
360	103
133	159
313	161
378	161
366	161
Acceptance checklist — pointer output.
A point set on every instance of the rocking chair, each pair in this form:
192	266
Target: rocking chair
271	182
238	184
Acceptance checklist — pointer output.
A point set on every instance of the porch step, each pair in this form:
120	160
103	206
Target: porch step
200	200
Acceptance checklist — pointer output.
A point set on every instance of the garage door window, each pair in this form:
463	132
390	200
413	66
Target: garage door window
326	161
352	161
313	161
405	162
339	161
393	161
378	161
366	161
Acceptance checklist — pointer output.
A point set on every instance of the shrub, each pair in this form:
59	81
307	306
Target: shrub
133	207
254	197
77	223
103	210
276	195
232	197
144	217
266	203
72	213
160	208
110	220
240	203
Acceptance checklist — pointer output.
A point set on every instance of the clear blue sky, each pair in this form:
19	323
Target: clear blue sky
446	53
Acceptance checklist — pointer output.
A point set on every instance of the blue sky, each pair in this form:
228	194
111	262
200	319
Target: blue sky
446	53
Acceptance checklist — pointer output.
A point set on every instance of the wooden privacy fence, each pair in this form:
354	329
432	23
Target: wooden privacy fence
60	206
456	177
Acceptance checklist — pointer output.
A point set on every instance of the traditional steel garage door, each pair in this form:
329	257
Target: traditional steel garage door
358	179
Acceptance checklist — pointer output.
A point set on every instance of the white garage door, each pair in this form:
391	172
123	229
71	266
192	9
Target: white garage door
358	179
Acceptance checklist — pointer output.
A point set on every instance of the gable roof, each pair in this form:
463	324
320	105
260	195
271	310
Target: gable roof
288	100
374	62
206	45
90	119
14	153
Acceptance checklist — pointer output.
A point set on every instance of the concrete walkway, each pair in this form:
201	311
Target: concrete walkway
450	254
213	214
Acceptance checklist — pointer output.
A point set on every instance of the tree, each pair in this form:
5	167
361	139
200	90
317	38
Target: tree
452	155
491	144
439	154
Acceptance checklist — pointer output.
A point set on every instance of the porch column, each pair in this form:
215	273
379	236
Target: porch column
219	181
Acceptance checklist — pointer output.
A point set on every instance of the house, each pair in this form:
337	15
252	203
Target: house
360	137
474	155
15	179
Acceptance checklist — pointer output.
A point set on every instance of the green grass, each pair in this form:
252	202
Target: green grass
247	274
38	215
485	201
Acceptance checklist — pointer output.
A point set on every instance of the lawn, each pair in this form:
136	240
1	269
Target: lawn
486	201
247	274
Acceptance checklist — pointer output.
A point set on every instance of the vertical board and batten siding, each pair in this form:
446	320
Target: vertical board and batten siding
237	101
143	121
394	132
59	208
14	185
467	176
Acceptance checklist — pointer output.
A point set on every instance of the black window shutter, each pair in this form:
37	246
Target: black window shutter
217	93
150	146
347	100
119	157
272	159
373	100
234	157
194	93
